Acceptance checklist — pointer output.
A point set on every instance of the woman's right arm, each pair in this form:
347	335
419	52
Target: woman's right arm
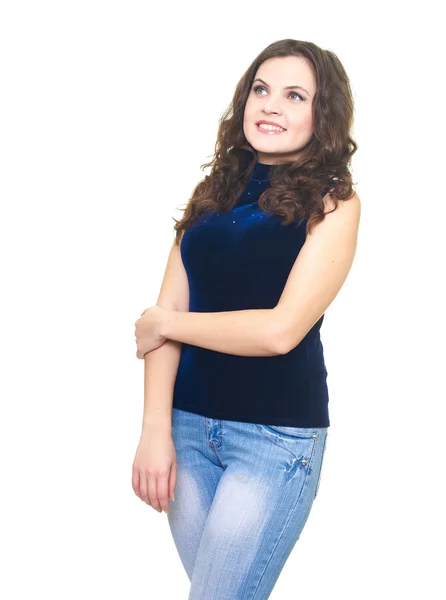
154	466
161	365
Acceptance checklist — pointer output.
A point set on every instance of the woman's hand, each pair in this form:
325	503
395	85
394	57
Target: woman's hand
148	330
154	468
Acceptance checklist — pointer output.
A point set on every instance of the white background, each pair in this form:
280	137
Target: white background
107	111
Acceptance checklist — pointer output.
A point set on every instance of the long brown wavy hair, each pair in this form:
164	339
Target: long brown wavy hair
296	188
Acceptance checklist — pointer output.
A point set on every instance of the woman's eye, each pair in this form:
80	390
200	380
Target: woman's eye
258	87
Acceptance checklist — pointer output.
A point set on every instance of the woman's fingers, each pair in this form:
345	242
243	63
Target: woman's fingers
172	480
143	487
153	496
135	482
162	489
154	469
146	487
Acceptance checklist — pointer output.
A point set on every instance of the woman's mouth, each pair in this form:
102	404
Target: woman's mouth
269	129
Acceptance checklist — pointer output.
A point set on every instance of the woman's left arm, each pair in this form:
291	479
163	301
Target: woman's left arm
315	279
242	332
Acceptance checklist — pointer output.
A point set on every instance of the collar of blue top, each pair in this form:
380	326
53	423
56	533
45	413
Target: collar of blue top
260	172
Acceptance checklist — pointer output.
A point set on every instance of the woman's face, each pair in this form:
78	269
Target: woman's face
269	100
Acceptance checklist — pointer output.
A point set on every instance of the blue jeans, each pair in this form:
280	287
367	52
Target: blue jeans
242	497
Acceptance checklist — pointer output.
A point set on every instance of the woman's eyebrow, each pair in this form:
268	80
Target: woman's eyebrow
288	87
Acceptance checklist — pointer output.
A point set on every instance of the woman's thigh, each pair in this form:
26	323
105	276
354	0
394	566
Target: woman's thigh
198	475
261	503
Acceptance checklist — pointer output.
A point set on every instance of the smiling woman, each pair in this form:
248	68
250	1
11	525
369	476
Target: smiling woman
293	120
267	241
303	90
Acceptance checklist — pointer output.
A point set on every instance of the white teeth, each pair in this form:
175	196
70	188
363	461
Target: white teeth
270	127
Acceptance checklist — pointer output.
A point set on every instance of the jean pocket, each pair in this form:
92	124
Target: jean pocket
291	432
320	468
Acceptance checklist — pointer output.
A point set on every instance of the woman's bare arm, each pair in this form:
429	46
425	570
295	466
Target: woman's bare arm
161	365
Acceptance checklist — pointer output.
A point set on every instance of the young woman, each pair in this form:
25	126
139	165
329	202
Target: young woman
235	391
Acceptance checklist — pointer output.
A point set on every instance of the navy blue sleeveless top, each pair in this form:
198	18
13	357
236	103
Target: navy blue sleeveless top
240	260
